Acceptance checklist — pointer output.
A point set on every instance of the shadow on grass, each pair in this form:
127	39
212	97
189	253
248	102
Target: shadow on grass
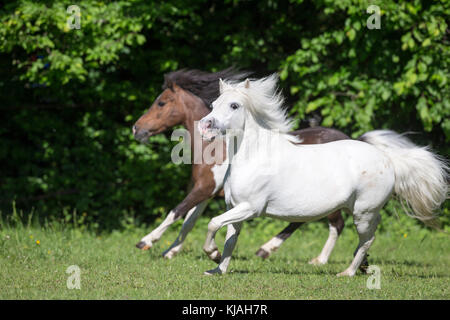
429	276
314	272
372	261
307	269
409	263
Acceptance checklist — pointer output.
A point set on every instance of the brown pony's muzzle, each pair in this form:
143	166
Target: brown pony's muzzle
140	134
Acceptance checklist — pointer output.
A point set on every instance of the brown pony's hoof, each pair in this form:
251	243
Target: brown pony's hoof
142	245
262	253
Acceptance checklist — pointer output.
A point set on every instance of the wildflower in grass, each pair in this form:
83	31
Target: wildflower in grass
405	235
31	236
38	242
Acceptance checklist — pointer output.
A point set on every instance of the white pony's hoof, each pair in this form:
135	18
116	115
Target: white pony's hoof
316	262
215	256
212	272
346	273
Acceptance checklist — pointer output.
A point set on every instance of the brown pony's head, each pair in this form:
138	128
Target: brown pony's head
183	89
165	112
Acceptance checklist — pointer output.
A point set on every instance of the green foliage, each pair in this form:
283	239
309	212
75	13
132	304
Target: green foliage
360	79
70	97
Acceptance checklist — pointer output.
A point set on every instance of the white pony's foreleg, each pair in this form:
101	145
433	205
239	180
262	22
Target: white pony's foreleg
188	224
327	248
234	216
366	225
230	243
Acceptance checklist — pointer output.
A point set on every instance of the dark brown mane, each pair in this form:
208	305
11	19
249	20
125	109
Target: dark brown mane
204	85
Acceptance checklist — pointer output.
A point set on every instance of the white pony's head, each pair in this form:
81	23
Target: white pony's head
257	100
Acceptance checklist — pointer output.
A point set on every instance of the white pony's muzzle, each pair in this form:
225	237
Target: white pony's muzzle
207	129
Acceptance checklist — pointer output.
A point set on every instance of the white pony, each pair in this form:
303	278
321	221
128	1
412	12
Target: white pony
300	183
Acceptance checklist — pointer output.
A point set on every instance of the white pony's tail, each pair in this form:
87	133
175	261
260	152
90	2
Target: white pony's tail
421	177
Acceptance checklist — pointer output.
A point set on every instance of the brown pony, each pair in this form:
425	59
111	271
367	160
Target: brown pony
186	97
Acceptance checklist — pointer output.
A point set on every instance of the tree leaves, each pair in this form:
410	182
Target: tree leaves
71	96
403	67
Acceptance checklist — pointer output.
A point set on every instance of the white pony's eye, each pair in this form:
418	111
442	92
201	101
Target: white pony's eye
234	106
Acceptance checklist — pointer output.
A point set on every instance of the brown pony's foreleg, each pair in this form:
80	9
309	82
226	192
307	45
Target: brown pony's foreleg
336	223
197	195
188	224
274	243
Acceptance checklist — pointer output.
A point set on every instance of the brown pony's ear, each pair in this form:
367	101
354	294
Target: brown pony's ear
174	86
168	84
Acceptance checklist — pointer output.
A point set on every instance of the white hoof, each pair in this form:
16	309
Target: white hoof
215	256
346	273
317	262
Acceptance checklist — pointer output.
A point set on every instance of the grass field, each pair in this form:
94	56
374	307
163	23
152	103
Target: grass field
414	264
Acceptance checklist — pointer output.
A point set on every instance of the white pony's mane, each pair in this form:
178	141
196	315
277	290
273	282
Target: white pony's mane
265	102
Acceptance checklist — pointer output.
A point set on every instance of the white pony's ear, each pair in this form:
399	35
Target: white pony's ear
221	85
247	84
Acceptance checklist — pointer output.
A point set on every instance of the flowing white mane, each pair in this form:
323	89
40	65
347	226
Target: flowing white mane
265	102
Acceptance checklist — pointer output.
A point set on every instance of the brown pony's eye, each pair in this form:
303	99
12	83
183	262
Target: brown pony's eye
161	104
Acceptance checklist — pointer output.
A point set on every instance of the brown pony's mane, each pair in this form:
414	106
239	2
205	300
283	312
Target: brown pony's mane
204	85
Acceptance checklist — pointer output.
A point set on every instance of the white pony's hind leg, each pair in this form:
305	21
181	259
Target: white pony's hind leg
366	225
188	224
327	248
